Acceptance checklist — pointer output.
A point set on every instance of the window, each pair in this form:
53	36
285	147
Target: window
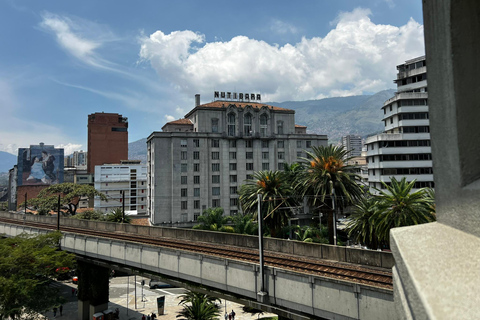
264	155
215	143
233	178
281	155
232	143
184	205
215	203
249	177
184	167
183	179
299	144
233	190
183	143
196	215
233	202
249	155
233	166
233	155
196	143
247	124
279	127
214	125
264	144
196	204
280	144
196	155
215	191
263	125
281	166
184	192
215	179
249	166
196	179
308	144
183	155
215	155
231	124
248	143
265	166
233	212
196	193
215	166
196	167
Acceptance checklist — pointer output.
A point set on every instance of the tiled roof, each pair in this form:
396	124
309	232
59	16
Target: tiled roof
180	121
238	104
299	126
140	222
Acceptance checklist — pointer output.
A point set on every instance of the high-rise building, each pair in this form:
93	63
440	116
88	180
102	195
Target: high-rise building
353	144
403	150
127	180
202	160
79	158
107	139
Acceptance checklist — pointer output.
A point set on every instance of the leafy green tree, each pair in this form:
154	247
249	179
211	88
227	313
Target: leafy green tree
362	228
116	215
27	265
245	224
276	195
212	219
70	195
198	306
399	206
327	176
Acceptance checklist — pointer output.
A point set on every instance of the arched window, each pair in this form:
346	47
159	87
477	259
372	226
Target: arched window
247	125
263	125
231	124
279	127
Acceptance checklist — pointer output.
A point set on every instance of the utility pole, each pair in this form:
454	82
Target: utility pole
25	203
334	218
123	206
262	293
58	214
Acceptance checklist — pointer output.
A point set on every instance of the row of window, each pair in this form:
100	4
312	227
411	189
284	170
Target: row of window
404	143
215	143
232	156
231	166
413	116
417	184
416	129
215	204
405	171
405	157
215	191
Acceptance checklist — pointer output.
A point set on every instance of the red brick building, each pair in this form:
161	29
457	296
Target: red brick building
107	139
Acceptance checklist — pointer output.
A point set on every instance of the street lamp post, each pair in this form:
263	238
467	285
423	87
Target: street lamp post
262	293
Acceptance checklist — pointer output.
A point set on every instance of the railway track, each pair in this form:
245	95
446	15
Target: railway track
336	270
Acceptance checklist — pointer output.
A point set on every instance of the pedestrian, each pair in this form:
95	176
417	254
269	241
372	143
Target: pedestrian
143	317
54	312
148	317
233	315
229	316
73	292
226	315
154	316
61	310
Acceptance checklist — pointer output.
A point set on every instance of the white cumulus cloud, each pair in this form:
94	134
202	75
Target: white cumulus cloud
357	56
69	148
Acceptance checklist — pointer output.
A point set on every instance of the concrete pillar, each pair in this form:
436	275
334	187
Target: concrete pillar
92	289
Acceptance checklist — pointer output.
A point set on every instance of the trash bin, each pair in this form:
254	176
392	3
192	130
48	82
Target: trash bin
98	316
108	314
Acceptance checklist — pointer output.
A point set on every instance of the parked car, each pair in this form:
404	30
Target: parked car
154	284
75	279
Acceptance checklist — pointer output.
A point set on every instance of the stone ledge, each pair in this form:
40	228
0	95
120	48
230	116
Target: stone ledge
439	269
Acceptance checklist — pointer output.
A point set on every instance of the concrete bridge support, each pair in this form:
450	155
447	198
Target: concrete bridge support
92	289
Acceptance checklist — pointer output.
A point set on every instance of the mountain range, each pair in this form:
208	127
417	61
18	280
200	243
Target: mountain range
335	117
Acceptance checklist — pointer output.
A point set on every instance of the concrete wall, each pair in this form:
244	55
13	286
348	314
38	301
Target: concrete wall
302	296
303	249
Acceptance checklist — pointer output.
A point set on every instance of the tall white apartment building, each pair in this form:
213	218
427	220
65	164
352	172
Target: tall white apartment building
403	150
126	180
353	144
79	159
201	161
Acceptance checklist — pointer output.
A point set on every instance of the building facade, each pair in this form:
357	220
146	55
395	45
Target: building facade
201	161
403	150
353	144
125	181
107	139
79	158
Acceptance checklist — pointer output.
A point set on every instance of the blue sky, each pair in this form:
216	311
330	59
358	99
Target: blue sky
62	60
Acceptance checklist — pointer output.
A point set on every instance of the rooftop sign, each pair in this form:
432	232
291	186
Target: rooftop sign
234	96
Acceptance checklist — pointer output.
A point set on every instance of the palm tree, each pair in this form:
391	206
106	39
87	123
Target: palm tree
326	176
212	219
275	194
361	227
116	215
398	206
198	306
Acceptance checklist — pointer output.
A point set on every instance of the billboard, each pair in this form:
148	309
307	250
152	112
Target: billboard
40	165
